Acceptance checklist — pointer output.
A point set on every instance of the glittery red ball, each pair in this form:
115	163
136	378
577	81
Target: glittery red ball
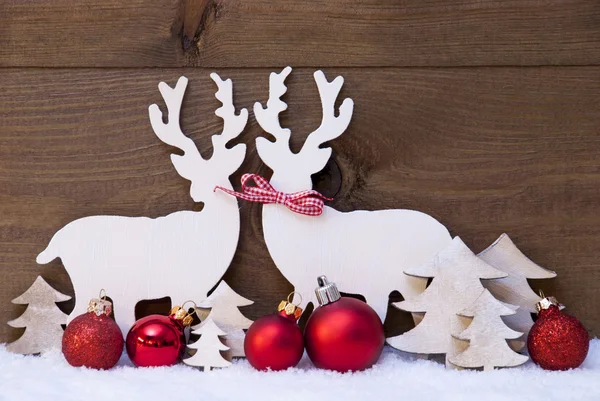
92	341
557	341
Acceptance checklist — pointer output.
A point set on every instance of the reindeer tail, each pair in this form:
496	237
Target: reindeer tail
48	254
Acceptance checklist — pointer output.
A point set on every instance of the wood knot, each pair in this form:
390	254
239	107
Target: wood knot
194	18
329	180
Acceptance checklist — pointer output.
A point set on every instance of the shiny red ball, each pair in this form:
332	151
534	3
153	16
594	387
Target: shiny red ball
155	340
92	341
557	341
274	342
346	335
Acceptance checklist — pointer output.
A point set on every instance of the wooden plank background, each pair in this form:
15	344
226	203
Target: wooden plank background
484	114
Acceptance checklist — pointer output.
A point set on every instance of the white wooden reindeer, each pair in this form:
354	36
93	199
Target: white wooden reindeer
364	252
181	255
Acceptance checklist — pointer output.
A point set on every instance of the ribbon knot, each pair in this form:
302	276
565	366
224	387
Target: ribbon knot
309	202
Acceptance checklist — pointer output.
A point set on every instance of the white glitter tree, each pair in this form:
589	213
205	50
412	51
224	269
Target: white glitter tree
42	319
224	312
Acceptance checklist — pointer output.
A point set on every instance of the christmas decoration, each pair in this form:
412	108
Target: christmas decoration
303	247
42	319
275	341
308	202
557	341
93	339
158	340
209	347
487	335
514	289
196	245
224	312
342	334
456	284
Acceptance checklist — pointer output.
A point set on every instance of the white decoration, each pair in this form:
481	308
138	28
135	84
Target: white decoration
514	289
209	347
364	252
456	284
224	312
42	319
183	254
487	335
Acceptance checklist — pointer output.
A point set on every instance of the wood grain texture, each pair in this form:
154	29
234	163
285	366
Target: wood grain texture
483	150
266	33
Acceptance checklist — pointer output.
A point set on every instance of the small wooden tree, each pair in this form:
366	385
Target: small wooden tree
456	284
224	312
209	347
42	319
487	335
514	289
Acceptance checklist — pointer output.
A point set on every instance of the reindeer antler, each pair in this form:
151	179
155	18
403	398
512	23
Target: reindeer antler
191	165
233	124
170	133
268	118
331	126
311	159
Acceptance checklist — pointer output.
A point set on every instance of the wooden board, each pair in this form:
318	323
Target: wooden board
267	33
483	150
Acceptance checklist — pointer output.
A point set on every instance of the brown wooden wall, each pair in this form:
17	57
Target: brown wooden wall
484	114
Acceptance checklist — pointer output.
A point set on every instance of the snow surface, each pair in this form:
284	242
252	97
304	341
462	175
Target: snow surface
397	377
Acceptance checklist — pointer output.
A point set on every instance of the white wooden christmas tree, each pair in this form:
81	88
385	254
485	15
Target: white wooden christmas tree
487	335
42	319
456	284
514	289
224	312
209	347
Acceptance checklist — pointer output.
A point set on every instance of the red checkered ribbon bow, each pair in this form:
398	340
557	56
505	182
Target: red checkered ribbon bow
309	202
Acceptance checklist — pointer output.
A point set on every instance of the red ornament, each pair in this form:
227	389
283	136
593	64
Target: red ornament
342	334
275	341
93	339
158	340
557	341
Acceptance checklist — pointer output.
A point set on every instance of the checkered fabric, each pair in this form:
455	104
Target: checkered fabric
308	202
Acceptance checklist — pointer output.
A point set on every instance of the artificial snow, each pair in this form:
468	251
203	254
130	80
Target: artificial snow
397	377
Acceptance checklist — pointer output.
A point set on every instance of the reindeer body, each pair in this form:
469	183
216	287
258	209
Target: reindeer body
142	258
364	252
361	249
182	255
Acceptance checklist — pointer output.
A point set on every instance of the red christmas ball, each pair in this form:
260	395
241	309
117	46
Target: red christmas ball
93	339
557	341
343	334
275	341
156	340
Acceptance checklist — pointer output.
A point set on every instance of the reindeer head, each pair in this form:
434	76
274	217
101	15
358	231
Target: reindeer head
204	174
292	171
